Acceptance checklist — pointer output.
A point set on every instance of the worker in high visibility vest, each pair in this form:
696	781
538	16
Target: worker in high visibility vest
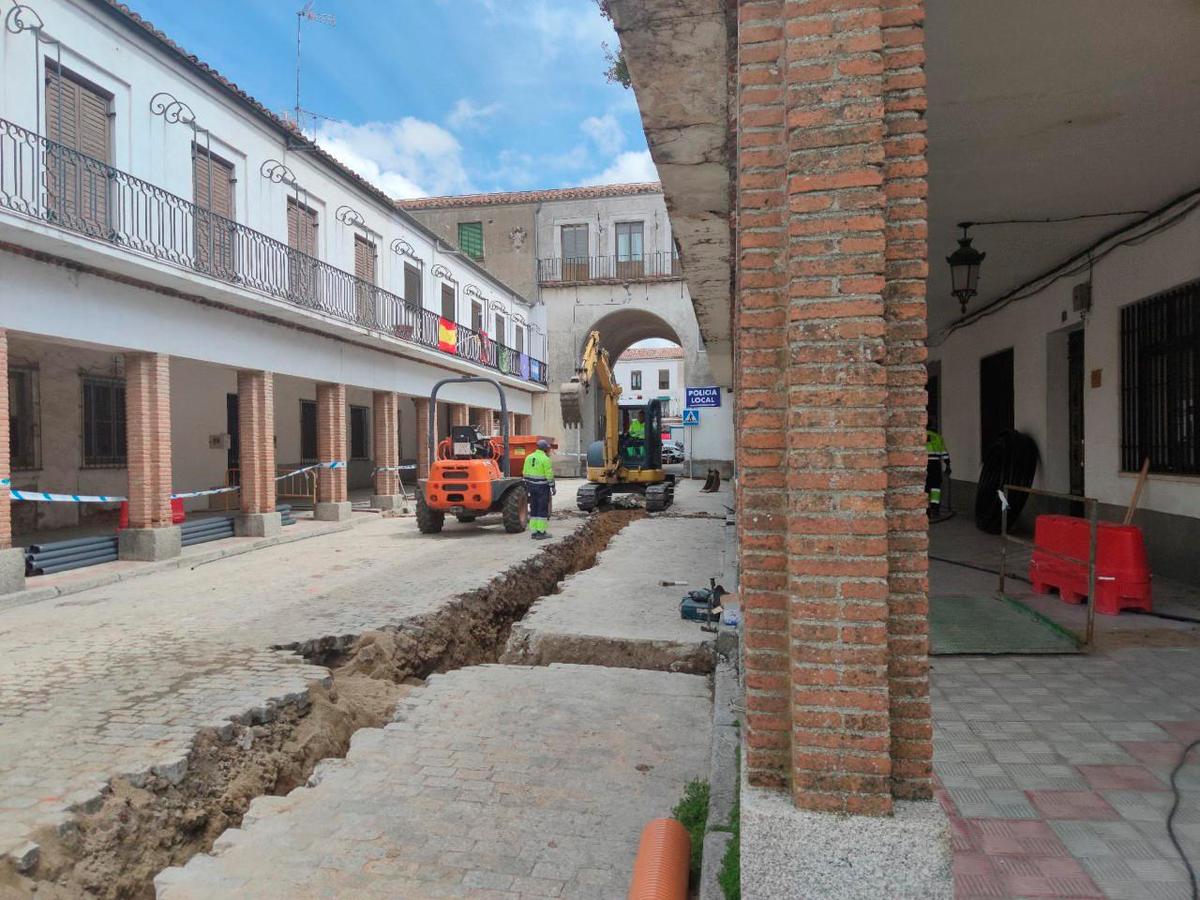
539	485
937	467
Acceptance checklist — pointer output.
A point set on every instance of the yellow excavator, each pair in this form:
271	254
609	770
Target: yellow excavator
620	463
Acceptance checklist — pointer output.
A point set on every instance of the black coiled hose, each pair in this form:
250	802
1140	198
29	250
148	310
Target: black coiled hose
1012	459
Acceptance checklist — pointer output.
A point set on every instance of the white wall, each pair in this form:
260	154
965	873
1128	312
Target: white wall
125	63
600	214
623	372
1035	329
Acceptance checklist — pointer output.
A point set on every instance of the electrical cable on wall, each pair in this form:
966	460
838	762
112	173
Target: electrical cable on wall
1084	259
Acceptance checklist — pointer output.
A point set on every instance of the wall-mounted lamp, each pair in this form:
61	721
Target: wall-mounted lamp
964	268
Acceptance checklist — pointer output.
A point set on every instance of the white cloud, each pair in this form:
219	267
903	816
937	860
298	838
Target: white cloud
630	166
405	158
467	114
559	24
605	131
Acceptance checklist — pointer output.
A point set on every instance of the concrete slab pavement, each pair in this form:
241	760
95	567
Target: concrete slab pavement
618	614
495	781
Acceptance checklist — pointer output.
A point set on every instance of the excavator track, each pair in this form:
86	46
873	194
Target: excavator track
659	496
587	498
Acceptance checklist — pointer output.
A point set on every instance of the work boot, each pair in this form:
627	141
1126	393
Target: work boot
541	535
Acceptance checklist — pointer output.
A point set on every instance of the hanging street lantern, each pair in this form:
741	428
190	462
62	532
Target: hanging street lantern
964	268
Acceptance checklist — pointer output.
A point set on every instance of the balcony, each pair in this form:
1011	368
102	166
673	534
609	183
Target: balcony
50	183
657	266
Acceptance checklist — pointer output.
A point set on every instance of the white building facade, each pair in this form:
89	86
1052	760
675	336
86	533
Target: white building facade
653	373
156	219
598	258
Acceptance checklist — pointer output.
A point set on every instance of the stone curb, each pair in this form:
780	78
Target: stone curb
37	595
723	772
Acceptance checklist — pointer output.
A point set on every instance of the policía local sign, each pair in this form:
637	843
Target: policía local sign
703	397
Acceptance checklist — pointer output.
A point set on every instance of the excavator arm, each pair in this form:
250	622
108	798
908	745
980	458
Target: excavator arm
594	363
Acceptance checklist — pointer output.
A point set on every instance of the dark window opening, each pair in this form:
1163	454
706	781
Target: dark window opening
664	379
449	303
104	422
412	284
308	431
996	397
1160	382
635	380
24	418
359	433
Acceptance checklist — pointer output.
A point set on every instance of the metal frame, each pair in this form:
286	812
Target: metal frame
467	379
1092	507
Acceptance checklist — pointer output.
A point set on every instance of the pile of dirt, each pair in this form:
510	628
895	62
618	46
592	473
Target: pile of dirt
150	823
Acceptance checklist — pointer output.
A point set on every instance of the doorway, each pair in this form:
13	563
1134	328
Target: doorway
232	456
996	398
1075	411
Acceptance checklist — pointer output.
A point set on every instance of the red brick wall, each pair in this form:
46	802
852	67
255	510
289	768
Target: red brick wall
256	440
481	418
422	407
5	458
460	414
904	300
148	438
386	438
331	442
827	539
524	423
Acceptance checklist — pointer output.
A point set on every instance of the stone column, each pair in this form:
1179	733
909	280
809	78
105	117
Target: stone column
481	418
150	535
333	504
422	407
12	559
386	439
256	454
830	262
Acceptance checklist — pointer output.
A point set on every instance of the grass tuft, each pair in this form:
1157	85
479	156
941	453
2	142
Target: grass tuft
692	813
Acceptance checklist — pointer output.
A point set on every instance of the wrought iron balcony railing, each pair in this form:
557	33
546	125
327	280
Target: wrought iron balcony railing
52	183
637	267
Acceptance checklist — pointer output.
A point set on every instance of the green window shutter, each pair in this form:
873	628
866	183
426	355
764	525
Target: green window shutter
470	239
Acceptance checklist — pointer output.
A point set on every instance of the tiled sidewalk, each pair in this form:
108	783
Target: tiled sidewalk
1055	772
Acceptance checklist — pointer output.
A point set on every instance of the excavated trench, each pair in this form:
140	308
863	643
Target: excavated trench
143	825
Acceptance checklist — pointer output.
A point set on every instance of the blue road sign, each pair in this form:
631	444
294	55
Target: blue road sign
691	417
703	397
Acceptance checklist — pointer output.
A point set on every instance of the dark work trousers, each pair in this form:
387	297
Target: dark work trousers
539	503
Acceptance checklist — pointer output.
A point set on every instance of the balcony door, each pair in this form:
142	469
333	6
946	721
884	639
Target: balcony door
213	233
78	177
302	246
574	252
364	288
629	250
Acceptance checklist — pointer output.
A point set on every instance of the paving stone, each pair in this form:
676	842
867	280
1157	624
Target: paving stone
600	764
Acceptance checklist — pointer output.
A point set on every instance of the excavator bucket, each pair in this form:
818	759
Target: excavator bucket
571	396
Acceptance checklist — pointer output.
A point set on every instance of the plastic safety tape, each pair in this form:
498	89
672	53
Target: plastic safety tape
48	497
406	468
336	464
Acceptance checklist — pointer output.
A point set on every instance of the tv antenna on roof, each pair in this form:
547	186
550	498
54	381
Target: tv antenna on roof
309	14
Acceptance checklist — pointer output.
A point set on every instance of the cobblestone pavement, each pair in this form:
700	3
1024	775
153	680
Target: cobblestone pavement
1055	772
118	679
495	781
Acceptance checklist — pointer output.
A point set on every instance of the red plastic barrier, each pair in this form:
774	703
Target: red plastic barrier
177	513
1122	570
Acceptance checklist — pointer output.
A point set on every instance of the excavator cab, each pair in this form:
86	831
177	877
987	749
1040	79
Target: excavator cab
644	452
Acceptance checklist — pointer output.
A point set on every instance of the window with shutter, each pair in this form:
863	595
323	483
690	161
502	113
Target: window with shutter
470	239
302	239
212	192
364	271
575	252
77	176
501	333
412	284
449	303
629	250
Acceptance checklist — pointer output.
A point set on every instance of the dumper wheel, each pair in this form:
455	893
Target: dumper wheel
514	510
429	521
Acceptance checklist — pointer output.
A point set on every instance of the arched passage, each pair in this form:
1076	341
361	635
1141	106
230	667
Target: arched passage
621	329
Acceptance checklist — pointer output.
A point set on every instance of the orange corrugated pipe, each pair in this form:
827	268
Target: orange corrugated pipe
660	871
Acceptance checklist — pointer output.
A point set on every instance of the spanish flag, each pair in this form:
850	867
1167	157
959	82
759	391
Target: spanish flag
447	336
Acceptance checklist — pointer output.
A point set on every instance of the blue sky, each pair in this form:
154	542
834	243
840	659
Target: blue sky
433	97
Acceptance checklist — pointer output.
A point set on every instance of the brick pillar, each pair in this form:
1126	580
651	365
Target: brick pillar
460	414
905	218
12	560
332	502
512	423
814	384
150	534
524	423
423	412
481	418
256	454
385	420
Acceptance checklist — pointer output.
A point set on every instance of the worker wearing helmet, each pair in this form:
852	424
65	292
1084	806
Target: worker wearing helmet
539	485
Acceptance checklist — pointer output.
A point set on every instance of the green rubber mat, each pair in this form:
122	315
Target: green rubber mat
987	625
